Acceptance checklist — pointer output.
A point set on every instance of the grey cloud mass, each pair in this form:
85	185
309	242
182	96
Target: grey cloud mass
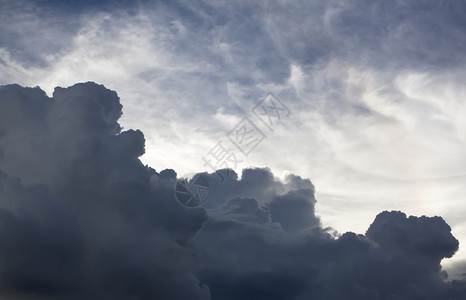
377	100
82	218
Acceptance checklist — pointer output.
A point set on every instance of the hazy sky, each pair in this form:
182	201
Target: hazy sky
375	90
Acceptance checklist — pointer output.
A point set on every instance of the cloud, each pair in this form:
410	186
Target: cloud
82	217
376	93
253	251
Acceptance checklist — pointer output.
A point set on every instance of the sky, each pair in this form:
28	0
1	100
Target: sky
370	108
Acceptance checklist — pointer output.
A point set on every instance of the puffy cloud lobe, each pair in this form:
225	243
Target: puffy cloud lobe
82	217
413	236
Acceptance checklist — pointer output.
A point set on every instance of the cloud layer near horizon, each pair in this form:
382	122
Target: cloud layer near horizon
82	217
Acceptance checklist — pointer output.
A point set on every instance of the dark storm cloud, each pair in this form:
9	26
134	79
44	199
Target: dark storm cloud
251	251
250	261
82	217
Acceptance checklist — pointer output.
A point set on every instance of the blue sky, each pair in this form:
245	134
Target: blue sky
375	89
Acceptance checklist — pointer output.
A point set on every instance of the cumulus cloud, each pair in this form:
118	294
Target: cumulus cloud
82	217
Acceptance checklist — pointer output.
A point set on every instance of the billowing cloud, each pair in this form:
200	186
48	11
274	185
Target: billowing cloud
82	217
